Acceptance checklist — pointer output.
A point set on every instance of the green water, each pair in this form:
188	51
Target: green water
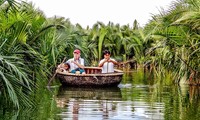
138	97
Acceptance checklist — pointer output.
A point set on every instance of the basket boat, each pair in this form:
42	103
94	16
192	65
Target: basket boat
93	77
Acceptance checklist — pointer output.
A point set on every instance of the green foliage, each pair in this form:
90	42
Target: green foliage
169	43
176	36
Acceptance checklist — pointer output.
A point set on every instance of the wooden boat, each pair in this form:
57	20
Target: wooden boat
93	77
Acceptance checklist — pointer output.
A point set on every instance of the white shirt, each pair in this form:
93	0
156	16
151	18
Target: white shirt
74	66
107	66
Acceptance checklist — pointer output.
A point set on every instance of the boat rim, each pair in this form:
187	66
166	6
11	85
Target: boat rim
116	72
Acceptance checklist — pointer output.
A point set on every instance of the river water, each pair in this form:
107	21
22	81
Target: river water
138	97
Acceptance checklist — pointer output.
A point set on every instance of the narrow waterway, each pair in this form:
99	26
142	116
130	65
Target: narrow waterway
138	97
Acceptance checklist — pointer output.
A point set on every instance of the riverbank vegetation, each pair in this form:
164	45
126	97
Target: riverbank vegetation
32	45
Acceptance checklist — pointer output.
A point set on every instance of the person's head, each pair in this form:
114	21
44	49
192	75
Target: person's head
106	54
77	54
66	66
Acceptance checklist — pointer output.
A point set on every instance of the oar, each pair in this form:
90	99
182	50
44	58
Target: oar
55	74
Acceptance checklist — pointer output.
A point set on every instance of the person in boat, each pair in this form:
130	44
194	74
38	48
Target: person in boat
64	67
76	63
107	63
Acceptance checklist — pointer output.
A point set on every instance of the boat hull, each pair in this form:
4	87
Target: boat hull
93	77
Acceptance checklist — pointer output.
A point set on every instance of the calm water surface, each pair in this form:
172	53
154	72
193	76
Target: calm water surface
138	97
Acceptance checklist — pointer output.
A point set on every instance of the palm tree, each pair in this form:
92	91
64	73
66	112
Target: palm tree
21	29
15	80
177	41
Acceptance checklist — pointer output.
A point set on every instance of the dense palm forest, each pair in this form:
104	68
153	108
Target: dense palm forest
31	46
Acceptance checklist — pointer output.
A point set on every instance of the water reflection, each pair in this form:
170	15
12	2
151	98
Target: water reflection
137	97
113	93
88	103
109	103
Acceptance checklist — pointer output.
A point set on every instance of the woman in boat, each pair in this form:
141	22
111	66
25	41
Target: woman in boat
107	63
76	63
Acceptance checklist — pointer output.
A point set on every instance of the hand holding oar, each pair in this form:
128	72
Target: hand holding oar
55	73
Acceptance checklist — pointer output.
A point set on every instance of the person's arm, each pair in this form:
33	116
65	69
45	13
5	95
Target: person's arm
79	65
102	62
60	66
113	61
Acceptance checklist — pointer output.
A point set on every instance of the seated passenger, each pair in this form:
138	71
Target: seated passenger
107	63
76	63
64	67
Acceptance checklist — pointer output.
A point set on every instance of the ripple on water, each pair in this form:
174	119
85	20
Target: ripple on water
125	103
116	110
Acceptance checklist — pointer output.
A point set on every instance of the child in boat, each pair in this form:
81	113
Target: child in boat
64	67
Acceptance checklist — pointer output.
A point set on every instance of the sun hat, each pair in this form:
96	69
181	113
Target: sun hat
77	51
